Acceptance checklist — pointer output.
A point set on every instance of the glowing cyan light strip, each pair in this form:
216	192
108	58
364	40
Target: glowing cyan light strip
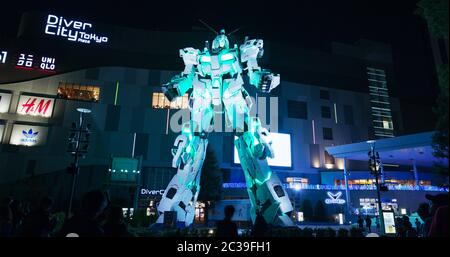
342	187
335	113
117	93
313	131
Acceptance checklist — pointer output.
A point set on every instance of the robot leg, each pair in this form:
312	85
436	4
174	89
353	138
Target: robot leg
182	192
265	189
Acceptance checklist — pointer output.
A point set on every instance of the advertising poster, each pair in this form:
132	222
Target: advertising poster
35	106
5	100
389	222
28	135
281	145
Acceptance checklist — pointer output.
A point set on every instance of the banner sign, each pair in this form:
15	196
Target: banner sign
28	135
35	106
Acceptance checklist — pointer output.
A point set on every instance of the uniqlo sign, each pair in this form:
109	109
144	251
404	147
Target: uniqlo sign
35	106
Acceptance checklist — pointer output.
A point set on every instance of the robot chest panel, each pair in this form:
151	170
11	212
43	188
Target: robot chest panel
216	67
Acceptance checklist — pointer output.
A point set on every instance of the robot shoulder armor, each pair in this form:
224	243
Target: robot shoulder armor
251	49
189	55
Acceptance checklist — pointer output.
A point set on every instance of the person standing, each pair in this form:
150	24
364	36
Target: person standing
418	226
360	222
226	227
369	224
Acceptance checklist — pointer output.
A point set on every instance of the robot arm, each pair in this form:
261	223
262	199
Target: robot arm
180	84
262	79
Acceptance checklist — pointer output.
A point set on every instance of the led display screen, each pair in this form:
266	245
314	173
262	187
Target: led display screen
281	144
28	135
35	106
389	222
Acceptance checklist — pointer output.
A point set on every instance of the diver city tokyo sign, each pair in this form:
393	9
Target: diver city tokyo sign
72	30
334	198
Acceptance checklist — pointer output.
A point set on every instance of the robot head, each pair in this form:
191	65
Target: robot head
220	42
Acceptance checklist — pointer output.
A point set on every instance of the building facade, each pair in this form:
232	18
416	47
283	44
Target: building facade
325	99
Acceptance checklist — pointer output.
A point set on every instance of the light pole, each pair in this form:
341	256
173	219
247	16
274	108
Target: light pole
296	189
78	146
374	166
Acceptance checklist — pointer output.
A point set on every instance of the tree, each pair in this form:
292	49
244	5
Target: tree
307	210
435	12
210	180
320	213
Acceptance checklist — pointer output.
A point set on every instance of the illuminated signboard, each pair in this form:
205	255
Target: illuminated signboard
389	222
5	100
281	144
334	198
73	30
28	135
2	129
3	55
30	61
145	191
35	106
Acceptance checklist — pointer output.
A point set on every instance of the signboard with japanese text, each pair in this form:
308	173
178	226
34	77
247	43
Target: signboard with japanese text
28	135
30	61
35	106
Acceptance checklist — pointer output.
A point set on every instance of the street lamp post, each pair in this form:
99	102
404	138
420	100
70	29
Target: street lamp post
78	145
374	165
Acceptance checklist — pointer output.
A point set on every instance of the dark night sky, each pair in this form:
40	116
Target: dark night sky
312	24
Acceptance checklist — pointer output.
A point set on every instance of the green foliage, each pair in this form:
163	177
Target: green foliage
211	178
440	138
436	14
307	210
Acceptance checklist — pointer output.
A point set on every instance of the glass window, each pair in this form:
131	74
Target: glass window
326	112
327	134
159	101
72	91
348	115
324	94
297	110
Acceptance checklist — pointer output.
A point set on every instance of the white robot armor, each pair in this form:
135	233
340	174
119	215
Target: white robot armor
215	77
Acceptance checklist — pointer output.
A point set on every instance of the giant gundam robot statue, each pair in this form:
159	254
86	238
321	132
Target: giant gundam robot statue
214	77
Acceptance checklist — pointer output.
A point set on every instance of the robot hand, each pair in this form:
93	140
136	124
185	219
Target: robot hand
267	80
170	89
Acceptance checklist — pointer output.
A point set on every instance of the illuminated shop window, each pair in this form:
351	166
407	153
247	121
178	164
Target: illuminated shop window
71	91
199	212
159	101
392	182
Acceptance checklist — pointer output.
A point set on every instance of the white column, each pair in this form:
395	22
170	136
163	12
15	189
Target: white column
347	190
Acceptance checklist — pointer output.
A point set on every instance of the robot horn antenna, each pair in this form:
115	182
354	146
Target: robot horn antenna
234	31
207	26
